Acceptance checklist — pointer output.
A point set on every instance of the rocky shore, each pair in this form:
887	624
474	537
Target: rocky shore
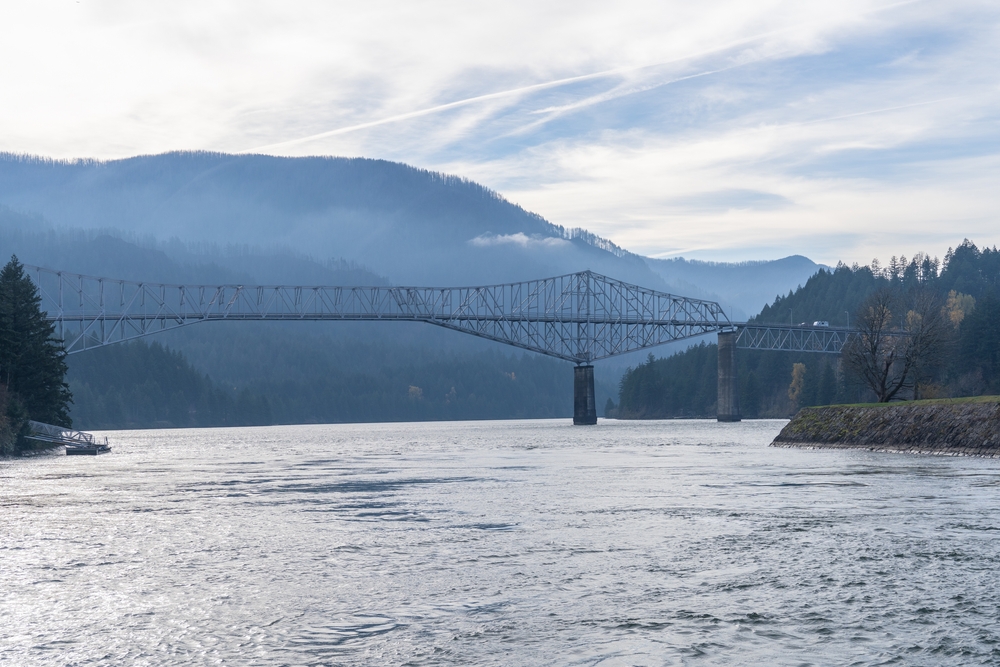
949	427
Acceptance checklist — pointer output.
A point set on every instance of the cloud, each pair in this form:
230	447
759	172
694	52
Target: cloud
518	239
721	128
138	78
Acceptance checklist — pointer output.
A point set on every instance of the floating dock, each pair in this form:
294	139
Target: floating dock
76	442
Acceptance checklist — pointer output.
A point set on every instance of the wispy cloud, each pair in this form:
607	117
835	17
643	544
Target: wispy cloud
721	128
640	71
515	92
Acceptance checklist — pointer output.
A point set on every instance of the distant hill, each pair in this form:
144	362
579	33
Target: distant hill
112	254
744	287
407	224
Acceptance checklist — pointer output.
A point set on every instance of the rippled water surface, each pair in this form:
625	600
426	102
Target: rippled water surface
507	543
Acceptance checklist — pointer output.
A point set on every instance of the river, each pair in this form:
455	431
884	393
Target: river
497	543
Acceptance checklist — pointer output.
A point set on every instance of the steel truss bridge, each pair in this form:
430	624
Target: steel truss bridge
580	317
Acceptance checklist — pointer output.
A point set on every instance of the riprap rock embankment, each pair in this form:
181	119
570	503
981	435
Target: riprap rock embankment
951	427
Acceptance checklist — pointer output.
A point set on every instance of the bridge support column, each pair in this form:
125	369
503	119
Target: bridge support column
728	409
584	403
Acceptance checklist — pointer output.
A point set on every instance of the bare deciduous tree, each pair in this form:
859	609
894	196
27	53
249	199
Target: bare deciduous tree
931	331
898	341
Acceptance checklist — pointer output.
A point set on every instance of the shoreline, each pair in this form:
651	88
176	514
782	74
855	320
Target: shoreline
944	427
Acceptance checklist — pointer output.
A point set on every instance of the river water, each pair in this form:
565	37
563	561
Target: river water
497	543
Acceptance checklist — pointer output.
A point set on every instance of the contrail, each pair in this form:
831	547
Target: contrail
449	105
611	95
872	111
550	84
517	91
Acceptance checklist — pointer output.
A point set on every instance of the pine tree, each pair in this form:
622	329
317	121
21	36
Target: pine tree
32	360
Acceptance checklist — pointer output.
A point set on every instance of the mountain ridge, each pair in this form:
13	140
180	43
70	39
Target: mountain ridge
406	224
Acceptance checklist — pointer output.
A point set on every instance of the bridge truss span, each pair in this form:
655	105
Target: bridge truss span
793	338
580	317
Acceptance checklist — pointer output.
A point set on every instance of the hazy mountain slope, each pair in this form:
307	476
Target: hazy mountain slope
744	287
106	253
411	225
301	371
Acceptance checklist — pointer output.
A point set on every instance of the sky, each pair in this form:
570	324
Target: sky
723	130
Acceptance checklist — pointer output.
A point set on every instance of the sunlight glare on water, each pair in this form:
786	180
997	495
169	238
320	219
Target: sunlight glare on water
496	543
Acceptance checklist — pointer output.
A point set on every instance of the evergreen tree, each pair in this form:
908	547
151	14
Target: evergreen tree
827	391
32	360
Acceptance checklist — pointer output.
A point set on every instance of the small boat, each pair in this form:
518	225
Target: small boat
91	450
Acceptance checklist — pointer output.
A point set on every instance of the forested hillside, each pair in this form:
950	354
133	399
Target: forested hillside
140	385
775	384
293	373
410	225
115	254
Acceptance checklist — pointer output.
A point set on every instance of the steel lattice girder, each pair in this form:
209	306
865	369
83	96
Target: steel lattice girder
580	317
792	338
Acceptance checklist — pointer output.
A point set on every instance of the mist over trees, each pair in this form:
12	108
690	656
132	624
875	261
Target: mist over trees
742	288
410	225
129	256
141	385
407	225
246	374
205	218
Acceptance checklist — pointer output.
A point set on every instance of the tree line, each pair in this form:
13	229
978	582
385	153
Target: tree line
145	385
928	328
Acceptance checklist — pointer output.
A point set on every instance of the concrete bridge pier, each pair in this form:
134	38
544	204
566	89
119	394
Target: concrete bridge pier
584	403
728	409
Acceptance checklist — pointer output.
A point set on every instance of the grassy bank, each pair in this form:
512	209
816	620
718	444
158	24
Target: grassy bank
952	426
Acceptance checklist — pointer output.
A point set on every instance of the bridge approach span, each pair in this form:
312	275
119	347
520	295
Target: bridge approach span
792	338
